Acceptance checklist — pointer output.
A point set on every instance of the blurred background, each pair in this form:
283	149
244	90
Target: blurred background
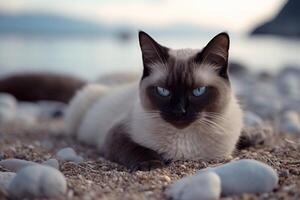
88	38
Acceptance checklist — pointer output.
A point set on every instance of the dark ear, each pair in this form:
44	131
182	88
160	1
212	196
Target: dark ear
216	53
152	52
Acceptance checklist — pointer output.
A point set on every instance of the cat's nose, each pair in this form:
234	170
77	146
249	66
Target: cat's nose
179	111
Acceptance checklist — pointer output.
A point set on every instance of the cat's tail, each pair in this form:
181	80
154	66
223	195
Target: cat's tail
80	104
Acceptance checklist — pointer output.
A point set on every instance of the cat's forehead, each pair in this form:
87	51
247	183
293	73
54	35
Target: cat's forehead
182	54
181	70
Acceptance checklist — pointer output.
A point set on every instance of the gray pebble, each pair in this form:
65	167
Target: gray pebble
14	164
202	186
52	163
5	179
7	100
7	108
68	154
245	176
38	181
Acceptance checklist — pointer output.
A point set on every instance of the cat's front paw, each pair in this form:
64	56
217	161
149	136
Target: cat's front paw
147	165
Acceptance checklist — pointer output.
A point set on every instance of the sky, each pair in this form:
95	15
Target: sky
231	15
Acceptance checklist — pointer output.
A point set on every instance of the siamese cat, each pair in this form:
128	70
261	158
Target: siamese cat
182	108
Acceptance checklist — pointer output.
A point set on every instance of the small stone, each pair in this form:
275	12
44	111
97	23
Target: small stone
284	173
245	176
5	179
14	164
203	186
38	181
294	171
183	166
165	178
8	106
68	154
29	108
7	100
52	163
148	193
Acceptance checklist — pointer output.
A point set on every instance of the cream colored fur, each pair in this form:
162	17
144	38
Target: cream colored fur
81	104
93	113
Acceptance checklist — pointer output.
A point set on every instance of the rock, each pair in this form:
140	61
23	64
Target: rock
26	119
28	113
68	154
286	23
8	100
38	181
203	186
29	108
245	176
290	122
251	119
7	108
6	115
165	178
14	164
52	163
5	179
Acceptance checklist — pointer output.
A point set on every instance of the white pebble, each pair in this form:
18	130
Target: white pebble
7	108
29	108
8	100
202	186
52	163
5	179
38	181
245	176
14	164
68	154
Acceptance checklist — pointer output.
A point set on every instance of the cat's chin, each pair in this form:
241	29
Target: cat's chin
180	124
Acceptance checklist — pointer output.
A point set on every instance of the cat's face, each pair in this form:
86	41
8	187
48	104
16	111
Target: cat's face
182	86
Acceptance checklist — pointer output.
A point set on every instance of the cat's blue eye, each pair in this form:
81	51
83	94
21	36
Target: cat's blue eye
199	91
162	91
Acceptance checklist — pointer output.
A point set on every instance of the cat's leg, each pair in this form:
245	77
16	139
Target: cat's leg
80	105
120	148
255	136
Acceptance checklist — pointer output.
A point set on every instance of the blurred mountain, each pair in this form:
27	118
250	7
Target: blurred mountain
47	24
286	23
56	25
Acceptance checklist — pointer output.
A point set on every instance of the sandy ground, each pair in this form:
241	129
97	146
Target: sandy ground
97	178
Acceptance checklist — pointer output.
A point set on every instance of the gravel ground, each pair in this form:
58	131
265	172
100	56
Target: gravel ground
97	178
